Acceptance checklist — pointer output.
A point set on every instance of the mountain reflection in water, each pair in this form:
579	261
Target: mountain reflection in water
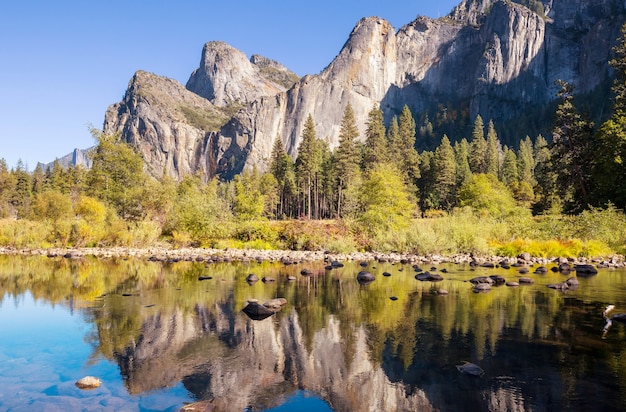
347	344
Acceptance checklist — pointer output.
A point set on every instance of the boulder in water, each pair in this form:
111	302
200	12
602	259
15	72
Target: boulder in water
468	368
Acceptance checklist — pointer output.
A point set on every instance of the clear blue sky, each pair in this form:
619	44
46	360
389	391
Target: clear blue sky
63	62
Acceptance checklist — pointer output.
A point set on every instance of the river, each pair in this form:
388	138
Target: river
163	335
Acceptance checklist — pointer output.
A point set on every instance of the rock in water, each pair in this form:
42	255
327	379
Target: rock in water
586	270
275	304
364	277
88	382
468	368
257	312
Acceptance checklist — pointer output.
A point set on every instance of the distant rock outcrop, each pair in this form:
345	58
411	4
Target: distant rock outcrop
78	158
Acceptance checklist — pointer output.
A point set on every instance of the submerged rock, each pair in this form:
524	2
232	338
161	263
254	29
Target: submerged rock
88	382
482	287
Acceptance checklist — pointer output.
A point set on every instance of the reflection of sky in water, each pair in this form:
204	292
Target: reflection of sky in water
302	401
43	351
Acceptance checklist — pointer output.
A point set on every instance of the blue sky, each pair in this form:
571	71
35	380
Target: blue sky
63	62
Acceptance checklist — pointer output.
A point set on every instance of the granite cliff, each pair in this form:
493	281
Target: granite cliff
495	58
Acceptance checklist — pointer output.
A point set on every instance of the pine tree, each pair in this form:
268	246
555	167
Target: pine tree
426	182
492	153
394	144
609	172
408	154
39	179
509	175
546	192
572	148
478	147
282	167
444	174
375	150
347	156
21	196
307	164
461	156
7	187
526	162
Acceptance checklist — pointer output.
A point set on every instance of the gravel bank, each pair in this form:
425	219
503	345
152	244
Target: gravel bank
289	256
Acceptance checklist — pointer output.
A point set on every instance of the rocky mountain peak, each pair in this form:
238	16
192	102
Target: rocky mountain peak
168	124
471	11
227	77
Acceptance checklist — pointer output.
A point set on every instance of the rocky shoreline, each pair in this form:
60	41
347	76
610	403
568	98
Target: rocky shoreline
163	254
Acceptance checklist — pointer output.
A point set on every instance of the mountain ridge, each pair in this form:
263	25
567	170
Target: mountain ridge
490	57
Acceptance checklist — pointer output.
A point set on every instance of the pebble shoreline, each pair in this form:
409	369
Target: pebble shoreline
163	254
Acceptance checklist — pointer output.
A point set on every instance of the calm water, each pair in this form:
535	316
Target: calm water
158	338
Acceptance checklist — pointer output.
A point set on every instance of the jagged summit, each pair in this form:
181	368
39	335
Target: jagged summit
226	76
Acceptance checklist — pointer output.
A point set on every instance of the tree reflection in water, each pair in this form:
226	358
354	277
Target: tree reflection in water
346	343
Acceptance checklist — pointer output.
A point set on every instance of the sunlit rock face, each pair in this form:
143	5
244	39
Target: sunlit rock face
169	125
488	57
227	77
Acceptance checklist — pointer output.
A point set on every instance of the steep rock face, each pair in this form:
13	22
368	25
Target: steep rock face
226	76
489	57
495	58
361	74
168	124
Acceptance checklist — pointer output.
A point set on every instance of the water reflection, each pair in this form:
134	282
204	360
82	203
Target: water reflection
346	343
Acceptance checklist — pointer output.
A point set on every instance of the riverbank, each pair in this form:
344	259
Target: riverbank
164	254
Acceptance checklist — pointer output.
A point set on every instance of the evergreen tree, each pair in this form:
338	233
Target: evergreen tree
7	187
394	144
526	162
461	156
21	196
375	150
347	157
444	174
609	171
572	145
478	147
408	154
38	178
546	192
426	183
282	167
509	175
307	164
492	153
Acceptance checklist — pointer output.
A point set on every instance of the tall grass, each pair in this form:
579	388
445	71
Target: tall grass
594	233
